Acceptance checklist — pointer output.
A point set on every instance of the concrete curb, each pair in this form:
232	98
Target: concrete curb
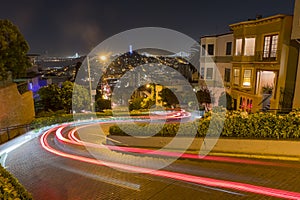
246	148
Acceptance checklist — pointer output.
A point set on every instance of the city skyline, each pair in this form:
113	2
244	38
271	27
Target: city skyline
69	27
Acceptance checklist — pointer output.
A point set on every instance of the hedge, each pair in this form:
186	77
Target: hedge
236	125
49	118
10	188
62	118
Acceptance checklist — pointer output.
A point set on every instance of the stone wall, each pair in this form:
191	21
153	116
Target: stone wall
15	109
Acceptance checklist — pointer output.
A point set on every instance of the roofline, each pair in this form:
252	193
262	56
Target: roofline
216	35
259	20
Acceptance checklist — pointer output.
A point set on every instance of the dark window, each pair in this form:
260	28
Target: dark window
203	50
227	75
202	72
228	48
210	49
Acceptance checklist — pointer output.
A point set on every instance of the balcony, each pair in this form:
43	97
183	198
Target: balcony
267	56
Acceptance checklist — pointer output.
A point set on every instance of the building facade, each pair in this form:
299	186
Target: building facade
215	59
296	39
264	64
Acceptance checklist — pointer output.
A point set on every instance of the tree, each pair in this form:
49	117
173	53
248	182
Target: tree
13	50
225	100
102	104
135	103
80	98
51	97
66	95
168	97
204	97
55	98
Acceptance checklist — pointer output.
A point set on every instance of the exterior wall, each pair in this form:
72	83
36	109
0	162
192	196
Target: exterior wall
219	61
283	65
296	21
296	37
296	102
15	109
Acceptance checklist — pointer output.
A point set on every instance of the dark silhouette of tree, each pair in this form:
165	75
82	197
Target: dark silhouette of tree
204	97
55	98
13	50
168	97
102	104
225	100
50	97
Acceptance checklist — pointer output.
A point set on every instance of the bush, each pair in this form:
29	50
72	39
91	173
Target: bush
57	118
10	188
236	125
103	104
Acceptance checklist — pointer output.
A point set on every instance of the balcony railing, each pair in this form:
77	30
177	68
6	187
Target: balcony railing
267	56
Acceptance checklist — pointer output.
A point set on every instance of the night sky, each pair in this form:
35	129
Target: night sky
63	28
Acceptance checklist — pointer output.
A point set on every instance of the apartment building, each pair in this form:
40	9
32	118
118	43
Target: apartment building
264	64
296	39
215	59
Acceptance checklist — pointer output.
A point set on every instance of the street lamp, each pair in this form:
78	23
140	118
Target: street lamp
90	83
101	58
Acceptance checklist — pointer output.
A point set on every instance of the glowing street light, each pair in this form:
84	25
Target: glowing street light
103	58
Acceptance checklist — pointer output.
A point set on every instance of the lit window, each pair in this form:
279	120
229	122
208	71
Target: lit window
249	46
238	47
270	46
236	76
209	73
247	78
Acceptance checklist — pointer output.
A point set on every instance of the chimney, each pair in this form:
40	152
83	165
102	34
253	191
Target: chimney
258	17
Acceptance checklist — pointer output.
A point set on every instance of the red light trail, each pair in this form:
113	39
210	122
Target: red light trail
162	173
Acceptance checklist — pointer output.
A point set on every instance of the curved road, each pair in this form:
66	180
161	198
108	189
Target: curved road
70	162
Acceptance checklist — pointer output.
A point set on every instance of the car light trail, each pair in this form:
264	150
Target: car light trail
172	175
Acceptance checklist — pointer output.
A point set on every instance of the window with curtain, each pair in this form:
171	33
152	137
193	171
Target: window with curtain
238	47
247	78
249	47
236	76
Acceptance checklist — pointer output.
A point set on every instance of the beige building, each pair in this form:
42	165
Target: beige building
215	59
264	64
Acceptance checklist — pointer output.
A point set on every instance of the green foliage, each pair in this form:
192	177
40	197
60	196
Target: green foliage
103	104
50	118
55	98
10	188
135	104
236	125
80	98
51	97
13	50
168	97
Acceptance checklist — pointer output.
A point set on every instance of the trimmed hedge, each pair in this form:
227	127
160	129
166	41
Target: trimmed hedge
236	125
62	118
49	118
10	188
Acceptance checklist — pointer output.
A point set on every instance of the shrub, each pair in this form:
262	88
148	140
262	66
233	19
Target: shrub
10	188
237	125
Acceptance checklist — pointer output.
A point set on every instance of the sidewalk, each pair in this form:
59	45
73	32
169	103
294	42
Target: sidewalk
250	148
